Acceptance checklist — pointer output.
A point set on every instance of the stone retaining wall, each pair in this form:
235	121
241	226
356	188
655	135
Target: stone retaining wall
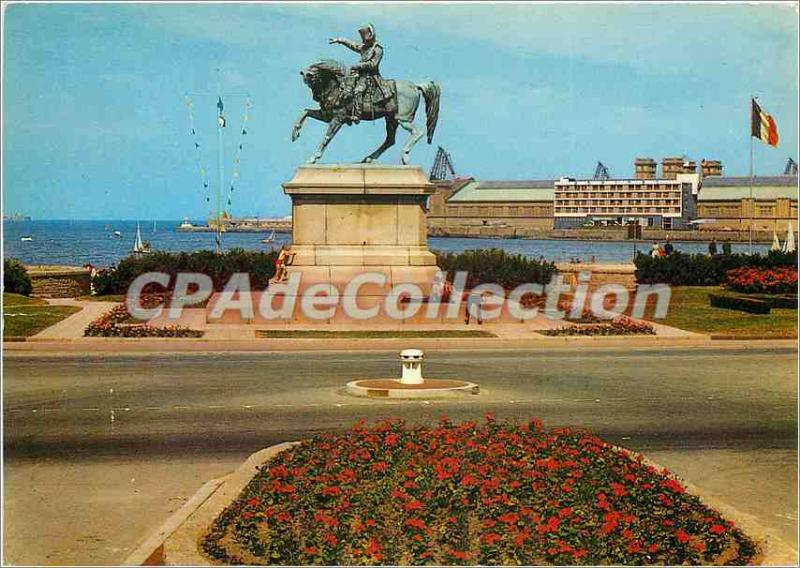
59	281
601	274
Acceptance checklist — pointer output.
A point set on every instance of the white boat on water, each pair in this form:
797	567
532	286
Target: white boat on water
116	234
139	246
26	239
186	224
269	239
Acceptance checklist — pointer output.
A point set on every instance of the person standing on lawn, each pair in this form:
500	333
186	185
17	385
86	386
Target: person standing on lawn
712	247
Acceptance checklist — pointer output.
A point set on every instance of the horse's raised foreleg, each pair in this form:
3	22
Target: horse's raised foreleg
391	131
309	112
416	134
333	128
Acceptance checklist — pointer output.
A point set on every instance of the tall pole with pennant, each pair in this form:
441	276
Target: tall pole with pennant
763	127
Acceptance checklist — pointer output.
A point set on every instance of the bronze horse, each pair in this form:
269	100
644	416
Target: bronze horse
325	78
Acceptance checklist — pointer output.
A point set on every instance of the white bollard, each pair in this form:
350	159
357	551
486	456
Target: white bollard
412	366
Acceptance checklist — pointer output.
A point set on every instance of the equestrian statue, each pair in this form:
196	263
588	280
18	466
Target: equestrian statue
350	95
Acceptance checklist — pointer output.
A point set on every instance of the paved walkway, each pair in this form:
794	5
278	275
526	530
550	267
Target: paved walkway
73	326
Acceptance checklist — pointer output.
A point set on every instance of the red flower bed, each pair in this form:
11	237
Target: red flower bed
468	494
762	280
620	325
118	322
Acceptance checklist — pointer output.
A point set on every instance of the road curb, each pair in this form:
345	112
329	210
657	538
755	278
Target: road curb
774	551
165	345
176	542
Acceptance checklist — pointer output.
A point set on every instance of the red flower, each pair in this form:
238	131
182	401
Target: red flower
374	549
490	538
634	547
717	529
380	466
550	526
331	539
458	554
416	524
508	518
673	486
618	489
681	535
469	480
326	519
391	439
652	548
413	506
254	501
446	468
346	476
331	491
312	550
565	512
489	417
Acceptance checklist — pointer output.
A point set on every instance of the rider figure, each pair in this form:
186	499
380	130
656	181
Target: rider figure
365	74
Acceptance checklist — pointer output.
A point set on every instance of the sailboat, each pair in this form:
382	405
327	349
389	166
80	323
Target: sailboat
140	247
789	246
776	244
270	238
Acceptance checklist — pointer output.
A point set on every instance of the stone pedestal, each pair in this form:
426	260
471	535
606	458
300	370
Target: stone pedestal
351	219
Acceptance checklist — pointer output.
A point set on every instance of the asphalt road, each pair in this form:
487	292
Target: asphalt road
99	450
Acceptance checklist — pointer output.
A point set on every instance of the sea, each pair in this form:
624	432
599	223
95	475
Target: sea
76	243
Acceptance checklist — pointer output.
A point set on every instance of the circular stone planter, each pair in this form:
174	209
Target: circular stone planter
393	388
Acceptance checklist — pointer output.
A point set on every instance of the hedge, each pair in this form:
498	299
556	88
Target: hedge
739	303
681	269
495	266
220	267
15	278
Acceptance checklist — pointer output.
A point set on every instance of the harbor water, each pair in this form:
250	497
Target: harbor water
79	242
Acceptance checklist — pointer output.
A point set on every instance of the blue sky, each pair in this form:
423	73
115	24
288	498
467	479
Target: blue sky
95	125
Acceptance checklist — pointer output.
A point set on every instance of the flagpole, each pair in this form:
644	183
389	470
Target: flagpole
752	203
220	171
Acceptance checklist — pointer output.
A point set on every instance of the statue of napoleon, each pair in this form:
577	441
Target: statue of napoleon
350	95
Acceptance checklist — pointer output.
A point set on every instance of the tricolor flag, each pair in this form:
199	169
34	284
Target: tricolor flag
763	126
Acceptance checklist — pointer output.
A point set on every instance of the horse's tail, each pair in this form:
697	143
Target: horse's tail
431	92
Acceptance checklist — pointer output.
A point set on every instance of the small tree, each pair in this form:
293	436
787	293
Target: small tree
15	277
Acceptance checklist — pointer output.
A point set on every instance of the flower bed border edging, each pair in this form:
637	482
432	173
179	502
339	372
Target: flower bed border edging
177	541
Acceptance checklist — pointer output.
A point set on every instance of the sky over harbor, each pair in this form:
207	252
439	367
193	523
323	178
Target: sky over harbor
96	126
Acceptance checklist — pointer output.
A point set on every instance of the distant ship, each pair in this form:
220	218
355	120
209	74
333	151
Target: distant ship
16	217
116	234
26	239
186	224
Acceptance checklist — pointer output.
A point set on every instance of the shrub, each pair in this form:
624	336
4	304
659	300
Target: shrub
762	280
15	277
739	303
259	265
495	266
682	269
468	494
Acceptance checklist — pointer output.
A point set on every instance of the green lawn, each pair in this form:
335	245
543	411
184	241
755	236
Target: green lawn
387	334
689	309
24	317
